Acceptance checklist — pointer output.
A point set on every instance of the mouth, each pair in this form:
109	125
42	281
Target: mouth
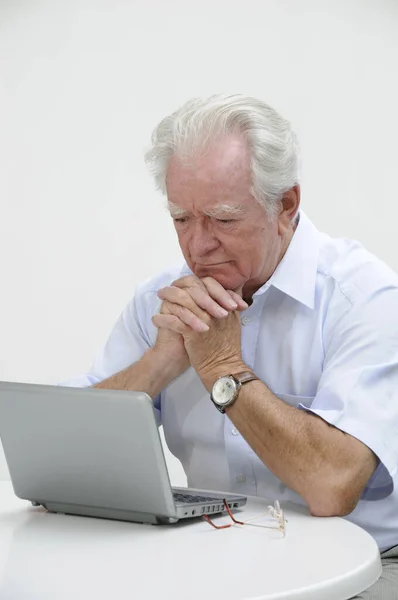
212	264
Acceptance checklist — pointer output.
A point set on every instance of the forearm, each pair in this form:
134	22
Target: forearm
151	374
318	461
292	444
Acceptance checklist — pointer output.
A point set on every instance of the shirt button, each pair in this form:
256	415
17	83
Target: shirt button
234	431
241	479
245	320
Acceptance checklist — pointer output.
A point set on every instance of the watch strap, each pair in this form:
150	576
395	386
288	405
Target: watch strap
244	376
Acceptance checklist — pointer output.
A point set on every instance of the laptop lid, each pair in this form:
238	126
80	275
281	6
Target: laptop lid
82	446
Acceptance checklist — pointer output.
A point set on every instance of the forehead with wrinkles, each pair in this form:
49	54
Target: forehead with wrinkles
216	180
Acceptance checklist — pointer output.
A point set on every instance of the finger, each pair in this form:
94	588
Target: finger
242	305
188	281
215	290
219	294
203	299
195	322
170	322
194	298
190	319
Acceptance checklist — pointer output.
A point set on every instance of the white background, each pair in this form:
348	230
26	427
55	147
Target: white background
82	84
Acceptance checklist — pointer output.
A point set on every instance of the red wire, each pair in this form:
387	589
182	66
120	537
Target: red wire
231	515
214	525
223	526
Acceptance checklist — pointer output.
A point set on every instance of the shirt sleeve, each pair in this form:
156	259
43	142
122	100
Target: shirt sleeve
358	389
128	341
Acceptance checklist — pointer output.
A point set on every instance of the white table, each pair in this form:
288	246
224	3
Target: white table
46	556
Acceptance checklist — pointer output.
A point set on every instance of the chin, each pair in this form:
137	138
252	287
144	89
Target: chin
229	281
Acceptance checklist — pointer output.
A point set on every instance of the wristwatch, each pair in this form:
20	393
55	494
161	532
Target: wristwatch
225	390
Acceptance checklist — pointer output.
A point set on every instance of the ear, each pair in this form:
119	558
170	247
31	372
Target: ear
289	206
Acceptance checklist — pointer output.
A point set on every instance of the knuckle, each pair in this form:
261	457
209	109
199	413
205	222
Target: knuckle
178	325
173	319
163	308
200	297
173	322
207	281
187	316
184	295
178	282
179	295
211	282
178	311
185	281
184	312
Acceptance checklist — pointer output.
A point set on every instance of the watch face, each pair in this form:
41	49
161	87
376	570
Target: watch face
224	390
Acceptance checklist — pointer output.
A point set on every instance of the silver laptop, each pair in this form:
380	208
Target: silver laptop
94	452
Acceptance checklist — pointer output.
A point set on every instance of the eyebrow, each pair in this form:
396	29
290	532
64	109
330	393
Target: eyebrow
175	211
230	210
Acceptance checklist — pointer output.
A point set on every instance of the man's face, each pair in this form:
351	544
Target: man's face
222	230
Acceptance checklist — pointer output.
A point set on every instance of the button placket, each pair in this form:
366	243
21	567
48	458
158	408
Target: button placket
238	458
250	331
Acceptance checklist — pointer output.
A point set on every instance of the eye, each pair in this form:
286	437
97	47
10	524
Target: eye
225	221
180	220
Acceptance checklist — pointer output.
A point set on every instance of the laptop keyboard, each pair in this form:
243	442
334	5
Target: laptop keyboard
188	498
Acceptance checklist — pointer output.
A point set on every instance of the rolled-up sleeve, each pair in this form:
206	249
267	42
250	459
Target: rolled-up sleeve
128	341
358	389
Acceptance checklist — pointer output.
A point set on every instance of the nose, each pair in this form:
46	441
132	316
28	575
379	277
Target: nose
202	239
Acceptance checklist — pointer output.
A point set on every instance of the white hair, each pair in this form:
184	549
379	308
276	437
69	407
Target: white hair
273	146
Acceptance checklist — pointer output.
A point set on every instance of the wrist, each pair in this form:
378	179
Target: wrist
156	373
210	376
161	365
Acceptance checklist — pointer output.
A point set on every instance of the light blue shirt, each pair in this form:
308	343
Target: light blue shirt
322	334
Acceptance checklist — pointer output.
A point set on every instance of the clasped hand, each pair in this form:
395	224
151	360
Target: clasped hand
206	317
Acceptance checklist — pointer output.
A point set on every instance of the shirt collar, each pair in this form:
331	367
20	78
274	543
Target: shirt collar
296	273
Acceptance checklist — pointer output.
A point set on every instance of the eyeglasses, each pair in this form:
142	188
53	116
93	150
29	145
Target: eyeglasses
274	511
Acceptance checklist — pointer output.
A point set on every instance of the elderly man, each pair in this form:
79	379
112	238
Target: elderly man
272	353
